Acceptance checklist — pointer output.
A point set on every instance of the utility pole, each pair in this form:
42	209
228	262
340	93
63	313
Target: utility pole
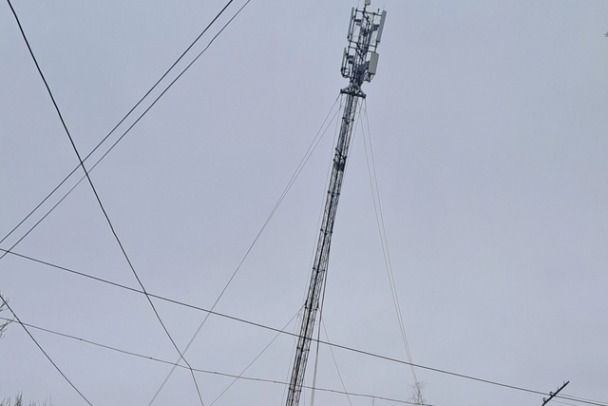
553	394
359	65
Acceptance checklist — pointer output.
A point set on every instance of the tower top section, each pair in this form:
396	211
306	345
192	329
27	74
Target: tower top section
360	57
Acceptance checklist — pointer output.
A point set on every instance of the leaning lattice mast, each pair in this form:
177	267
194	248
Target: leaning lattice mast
359	65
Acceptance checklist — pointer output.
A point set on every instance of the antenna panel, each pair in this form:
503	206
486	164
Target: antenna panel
373	63
350	25
380	27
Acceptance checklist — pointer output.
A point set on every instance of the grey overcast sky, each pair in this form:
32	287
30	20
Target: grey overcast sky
489	129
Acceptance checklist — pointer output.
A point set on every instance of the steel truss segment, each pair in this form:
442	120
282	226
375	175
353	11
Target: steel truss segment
358	65
319	269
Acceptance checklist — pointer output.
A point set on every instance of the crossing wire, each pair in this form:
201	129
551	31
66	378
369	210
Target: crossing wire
48	357
118	140
373	179
115	143
299	168
242	373
305	159
1	297
101	205
296	335
122	120
236	377
315	142
333	356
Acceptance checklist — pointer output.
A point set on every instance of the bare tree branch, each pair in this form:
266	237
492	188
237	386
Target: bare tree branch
3	325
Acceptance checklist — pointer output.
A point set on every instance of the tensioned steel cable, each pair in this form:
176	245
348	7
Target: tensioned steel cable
296	335
125	132
98	198
236	377
333	357
103	140
334	345
274	210
48	357
110	148
253	361
300	167
373	179
295	175
316	140
580	399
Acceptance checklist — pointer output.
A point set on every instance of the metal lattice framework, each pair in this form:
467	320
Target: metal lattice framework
359	65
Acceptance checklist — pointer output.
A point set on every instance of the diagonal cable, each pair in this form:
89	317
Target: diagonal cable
369	155
307	155
239	377
333	356
124	133
97	197
242	373
122	120
48	357
296	335
110	148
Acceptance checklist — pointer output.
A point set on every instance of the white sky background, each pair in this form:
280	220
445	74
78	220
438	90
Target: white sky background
489	127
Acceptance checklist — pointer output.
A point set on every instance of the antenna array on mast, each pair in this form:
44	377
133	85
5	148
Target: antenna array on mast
360	57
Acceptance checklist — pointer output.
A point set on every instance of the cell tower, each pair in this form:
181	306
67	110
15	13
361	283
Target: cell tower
359	65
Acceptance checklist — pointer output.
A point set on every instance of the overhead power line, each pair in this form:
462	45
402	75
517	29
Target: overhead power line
101	205
46	354
235	377
307	155
282	331
373	180
318	136
241	375
128	114
81	161
581	400
315	142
